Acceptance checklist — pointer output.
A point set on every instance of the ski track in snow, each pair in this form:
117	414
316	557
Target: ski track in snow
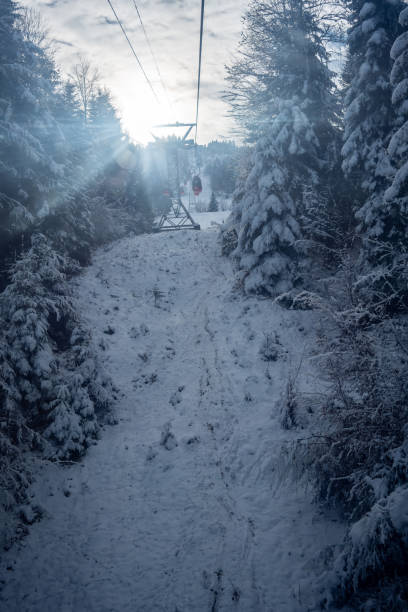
179	506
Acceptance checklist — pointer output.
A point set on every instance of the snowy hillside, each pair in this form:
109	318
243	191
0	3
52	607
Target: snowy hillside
214	420
181	505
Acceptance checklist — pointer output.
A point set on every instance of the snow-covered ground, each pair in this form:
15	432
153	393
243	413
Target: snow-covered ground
210	220
181	505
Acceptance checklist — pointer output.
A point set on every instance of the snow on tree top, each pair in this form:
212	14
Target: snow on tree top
398	508
369	25
378	38
400	92
368	10
399	45
403	18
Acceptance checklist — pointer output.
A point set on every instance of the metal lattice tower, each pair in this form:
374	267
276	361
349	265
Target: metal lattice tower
177	217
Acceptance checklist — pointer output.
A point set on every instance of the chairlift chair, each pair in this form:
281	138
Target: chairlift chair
196	185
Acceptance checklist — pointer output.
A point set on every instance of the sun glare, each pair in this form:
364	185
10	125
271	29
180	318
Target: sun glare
139	111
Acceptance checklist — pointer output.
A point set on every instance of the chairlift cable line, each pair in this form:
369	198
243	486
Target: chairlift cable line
199	66
152	54
134	52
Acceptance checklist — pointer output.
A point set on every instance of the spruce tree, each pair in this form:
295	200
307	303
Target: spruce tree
136	199
31	143
283	42
30	135
69	224
213	207
268	229
369	114
105	126
396	196
51	385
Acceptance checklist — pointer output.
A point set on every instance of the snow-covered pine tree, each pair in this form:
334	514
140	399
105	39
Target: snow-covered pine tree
78	142
103	196
29	136
156	182
213	206
36	292
221	171
14	476
70	226
136	198
49	376
286	61
369	116
104	120
396	196
268	230
70	223
229	232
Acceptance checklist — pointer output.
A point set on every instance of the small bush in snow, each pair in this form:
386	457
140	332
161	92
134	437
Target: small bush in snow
51	386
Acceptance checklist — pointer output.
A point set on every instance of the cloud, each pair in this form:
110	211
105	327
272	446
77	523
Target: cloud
90	28
187	18
54	3
180	3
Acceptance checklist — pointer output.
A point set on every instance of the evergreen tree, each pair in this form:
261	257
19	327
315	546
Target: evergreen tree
221	171
282	53
31	143
77	137
213	207
268	229
30	137
370	117
156	183
396	196
103	196
51	383
136	198
285	41
104	125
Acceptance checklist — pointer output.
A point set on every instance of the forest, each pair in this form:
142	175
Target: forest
316	239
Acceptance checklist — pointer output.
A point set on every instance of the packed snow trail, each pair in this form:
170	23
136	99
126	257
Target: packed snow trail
178	507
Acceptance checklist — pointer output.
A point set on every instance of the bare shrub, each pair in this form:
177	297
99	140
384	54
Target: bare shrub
358	457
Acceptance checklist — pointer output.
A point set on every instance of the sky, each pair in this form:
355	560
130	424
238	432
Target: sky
88	27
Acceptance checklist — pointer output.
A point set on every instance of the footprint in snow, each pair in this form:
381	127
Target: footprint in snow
135	332
103	344
191	440
170	352
176	397
168	439
151	454
144	379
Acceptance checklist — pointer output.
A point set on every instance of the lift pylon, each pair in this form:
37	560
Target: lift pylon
177	217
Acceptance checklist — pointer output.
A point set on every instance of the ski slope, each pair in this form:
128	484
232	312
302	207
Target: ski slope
181	505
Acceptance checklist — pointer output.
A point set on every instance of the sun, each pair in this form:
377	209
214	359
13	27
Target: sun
138	110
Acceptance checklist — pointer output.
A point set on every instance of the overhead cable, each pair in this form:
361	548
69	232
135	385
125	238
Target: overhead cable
134	52
151	51
199	65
